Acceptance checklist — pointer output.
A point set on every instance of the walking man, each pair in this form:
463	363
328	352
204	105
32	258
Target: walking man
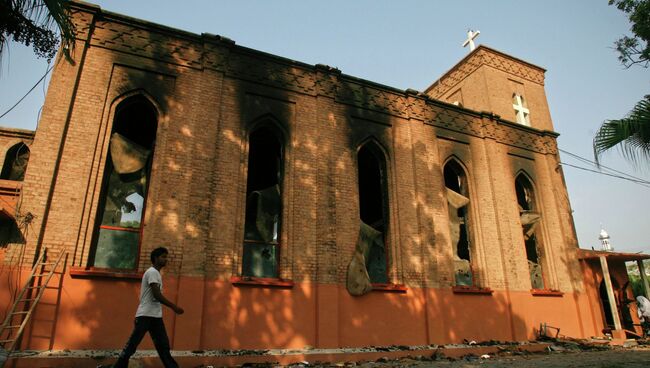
148	317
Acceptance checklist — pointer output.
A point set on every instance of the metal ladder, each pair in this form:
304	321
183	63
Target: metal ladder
29	296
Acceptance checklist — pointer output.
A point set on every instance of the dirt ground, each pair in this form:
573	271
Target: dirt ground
614	358
553	354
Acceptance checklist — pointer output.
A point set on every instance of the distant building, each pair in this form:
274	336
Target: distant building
604	241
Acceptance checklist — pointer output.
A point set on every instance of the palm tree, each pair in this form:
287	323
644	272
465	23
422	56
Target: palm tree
631	132
36	23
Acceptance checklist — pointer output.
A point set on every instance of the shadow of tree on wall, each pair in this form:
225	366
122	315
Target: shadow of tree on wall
91	312
421	253
209	94
257	91
191	205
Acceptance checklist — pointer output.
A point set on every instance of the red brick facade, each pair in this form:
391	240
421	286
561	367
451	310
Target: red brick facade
208	95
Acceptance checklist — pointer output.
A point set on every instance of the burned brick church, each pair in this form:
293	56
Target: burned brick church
301	206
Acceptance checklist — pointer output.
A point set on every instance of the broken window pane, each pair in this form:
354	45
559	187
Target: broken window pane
124	200
529	220
373	208
127	170
15	163
116	249
458	199
260	260
263	204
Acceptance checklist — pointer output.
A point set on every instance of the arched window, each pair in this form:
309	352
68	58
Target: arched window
458	201
373	208
530	218
262	228
15	163
126	178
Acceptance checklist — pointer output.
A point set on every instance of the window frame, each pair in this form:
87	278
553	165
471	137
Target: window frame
377	151
9	168
539	239
249	280
108	168
469	221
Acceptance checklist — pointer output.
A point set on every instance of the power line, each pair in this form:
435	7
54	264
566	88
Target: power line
644	183
28	92
593	163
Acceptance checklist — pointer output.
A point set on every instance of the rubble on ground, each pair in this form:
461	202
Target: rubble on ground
418	354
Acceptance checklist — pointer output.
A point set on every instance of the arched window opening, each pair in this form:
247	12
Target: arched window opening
126	178
15	163
530	218
373	208
263	204
458	200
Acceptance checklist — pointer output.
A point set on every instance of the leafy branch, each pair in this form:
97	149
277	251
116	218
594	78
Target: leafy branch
37	23
634	50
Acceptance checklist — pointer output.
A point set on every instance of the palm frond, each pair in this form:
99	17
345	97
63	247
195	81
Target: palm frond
59	14
630	134
36	22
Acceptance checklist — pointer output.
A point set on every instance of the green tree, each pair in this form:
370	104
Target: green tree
635	49
632	133
634	276
41	24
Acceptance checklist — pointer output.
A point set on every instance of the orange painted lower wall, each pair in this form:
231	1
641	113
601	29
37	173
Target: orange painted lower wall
593	277
11	279
98	314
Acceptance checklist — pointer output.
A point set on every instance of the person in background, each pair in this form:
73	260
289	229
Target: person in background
643	311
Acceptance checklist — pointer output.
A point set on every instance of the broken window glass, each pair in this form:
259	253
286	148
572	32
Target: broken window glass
530	218
15	163
373	209
126	176
457	200
369	263
263	204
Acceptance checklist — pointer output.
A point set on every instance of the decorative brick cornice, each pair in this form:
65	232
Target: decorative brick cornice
488	57
457	121
264	71
368	97
492	127
82	18
134	39
184	49
24	134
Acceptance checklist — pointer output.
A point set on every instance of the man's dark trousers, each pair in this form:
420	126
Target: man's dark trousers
156	329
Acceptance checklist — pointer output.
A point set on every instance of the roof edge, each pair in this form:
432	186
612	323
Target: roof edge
475	51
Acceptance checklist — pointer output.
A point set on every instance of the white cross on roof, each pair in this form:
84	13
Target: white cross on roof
471	35
521	111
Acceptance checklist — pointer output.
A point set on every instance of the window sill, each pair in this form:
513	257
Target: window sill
472	290
389	288
92	272
261	282
546	292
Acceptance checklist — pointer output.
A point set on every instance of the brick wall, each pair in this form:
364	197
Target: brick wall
12	217
209	93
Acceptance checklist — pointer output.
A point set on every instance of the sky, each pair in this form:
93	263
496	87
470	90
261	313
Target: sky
410	44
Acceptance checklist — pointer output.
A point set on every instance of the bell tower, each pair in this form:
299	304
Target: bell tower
492	81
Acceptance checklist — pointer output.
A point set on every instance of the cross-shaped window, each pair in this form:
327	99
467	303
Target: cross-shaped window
521	111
